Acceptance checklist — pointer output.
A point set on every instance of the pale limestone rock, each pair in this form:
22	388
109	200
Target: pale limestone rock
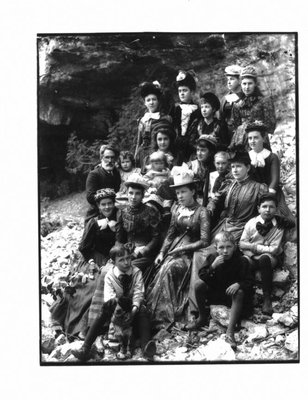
281	278
279	339
257	332
288	319
294	310
48	340
218	350
291	342
220	314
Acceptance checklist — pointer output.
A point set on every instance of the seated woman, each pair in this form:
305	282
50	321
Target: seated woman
240	197
97	240
203	166
139	224
189	231
251	106
266	167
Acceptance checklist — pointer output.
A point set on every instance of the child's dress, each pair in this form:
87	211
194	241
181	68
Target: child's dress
155	180
124	177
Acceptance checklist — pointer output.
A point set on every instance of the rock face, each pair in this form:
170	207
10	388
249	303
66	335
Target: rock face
88	85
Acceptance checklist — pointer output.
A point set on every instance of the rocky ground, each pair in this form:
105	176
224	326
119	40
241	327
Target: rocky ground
260	337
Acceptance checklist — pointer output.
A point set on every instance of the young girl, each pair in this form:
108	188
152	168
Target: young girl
185	116
202	166
232	73
266	166
126	168
163	140
209	125
218	177
151	94
158	172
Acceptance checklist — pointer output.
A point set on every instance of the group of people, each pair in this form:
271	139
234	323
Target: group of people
185	219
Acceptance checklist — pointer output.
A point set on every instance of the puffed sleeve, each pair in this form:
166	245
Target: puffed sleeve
275	173
154	225
171	234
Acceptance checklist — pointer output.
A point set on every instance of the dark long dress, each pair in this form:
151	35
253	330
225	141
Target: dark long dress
270	175
248	109
168	294
95	244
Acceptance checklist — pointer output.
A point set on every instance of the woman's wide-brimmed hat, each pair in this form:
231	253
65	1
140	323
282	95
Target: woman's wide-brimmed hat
105	193
136	180
233	70
207	141
182	176
240	155
147	88
256	126
249	72
212	99
185	79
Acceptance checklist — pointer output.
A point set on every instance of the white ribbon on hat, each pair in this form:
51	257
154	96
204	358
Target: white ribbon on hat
258	159
148	115
187	110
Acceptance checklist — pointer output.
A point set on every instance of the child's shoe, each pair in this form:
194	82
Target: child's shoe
83	354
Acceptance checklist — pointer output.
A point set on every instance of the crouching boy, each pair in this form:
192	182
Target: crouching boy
261	244
226	279
123	303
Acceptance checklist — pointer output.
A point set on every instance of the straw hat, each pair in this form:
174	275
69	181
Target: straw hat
256	126
233	70
182	176
136	180
249	72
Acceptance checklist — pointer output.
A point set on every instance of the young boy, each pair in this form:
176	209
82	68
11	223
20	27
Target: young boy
261	244
209	124
218	177
122	281
226	279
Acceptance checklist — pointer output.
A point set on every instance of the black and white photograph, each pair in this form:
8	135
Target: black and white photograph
168	197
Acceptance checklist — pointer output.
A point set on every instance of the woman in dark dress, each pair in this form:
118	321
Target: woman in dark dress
167	296
266	167
97	240
251	106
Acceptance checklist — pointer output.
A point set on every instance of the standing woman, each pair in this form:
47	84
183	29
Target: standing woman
189	231
151	94
232	73
251	106
185	116
97	240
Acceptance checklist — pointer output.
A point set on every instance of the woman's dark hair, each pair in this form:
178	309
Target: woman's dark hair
127	155
136	186
165	131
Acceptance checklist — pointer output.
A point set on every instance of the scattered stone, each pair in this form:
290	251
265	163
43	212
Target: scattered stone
288	319
220	314
291	342
281	278
162	334
61	339
275	330
278	292
294	310
279	339
257	332
48	340
218	350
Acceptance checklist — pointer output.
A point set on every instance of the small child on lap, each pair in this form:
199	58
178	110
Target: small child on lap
225	279
261	244
122	281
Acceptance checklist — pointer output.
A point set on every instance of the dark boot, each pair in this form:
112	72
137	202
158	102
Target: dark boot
266	280
267	308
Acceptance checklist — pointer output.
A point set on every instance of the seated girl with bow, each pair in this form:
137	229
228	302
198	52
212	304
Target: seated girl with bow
261	244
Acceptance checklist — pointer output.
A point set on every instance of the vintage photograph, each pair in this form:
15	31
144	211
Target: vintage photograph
168	198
